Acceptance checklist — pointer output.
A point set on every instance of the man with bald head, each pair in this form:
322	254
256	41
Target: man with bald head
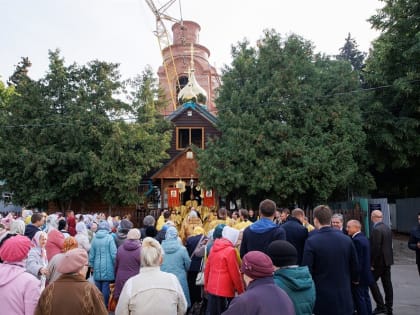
381	259
360	289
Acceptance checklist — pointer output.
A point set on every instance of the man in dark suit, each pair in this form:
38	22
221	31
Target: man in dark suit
296	233
337	222
332	260
361	289
381	260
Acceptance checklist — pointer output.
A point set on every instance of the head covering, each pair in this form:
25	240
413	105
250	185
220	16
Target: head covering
73	261
217	233
133	234
103	225
17	227
171	233
256	264
7	221
51	222
15	249
125	225
69	244
81	228
231	234
198	230
37	236
282	253
149	220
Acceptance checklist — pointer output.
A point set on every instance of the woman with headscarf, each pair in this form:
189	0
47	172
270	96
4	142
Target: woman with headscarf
121	235
55	239
152	291
222	279
127	263
85	297
102	256
82	236
176	259
193	242
37	261
19	290
17	227
53	274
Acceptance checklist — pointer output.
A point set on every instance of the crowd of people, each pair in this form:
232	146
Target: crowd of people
271	261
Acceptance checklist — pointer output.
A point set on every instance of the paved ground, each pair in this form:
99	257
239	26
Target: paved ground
405	279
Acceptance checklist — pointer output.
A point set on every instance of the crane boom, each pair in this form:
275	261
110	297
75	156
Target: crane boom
164	41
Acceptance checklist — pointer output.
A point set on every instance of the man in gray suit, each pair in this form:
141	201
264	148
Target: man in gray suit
381	260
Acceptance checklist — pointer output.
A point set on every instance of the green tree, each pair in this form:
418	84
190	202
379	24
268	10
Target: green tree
392	117
351	53
134	148
290	130
71	138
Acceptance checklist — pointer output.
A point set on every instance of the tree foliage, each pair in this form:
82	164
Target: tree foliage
287	130
351	53
68	136
392	117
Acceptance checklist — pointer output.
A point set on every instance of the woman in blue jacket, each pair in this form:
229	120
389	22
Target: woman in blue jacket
176	259
102	259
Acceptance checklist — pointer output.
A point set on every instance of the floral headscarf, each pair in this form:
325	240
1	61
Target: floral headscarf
70	243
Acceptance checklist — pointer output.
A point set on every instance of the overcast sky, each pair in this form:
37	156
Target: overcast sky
122	30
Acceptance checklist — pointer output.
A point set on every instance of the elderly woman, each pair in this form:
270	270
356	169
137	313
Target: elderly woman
177	261
193	243
19	289
53	274
17	227
127	263
152	291
55	237
37	262
222	277
102	256
71	293
82	236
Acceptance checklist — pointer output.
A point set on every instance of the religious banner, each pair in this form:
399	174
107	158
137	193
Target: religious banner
209	200
173	197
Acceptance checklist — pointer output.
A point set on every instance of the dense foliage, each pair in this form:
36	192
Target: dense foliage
290	129
67	136
392	116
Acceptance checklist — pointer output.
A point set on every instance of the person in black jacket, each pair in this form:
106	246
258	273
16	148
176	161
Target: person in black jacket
296	233
414	242
261	233
360	289
37	220
332	260
381	260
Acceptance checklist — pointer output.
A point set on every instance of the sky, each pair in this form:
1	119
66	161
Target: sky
121	31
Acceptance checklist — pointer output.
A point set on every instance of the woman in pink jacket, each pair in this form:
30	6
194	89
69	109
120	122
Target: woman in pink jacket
19	290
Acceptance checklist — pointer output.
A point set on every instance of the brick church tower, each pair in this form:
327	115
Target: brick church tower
185	47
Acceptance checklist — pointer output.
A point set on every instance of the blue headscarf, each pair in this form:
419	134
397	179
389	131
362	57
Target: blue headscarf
171	233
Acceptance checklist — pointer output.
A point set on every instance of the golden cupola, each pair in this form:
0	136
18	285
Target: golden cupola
192	92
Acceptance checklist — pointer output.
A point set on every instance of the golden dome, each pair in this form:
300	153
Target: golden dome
192	91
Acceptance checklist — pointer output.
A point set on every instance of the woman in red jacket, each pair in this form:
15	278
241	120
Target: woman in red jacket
221	274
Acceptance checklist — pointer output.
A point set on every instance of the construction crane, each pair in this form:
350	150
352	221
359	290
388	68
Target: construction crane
164	41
